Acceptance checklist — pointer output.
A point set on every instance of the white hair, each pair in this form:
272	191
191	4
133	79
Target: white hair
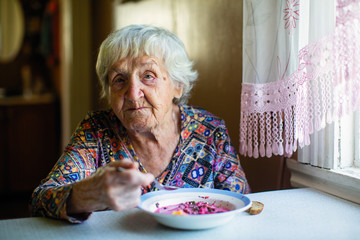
137	40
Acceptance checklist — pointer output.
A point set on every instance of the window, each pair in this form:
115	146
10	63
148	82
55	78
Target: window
331	162
347	136
343	178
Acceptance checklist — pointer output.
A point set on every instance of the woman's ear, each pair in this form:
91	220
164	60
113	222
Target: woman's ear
178	91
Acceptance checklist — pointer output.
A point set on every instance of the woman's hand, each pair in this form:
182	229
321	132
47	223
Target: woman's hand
109	188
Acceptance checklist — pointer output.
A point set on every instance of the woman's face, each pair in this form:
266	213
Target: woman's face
141	93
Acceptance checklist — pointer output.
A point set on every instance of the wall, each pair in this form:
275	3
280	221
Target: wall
102	24
76	84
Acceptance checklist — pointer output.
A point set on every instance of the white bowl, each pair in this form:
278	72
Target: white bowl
234	201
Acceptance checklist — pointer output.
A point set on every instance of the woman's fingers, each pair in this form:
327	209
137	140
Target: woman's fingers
123	200
133	177
110	188
124	182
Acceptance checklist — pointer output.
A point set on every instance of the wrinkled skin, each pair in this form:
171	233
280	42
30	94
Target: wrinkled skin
109	188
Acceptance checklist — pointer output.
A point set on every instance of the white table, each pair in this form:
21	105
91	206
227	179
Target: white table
288	214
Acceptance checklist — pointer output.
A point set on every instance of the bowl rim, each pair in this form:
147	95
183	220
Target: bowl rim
247	202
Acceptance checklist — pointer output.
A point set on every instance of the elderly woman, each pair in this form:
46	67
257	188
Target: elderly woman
149	132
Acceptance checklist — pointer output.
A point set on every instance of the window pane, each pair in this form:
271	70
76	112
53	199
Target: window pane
357	139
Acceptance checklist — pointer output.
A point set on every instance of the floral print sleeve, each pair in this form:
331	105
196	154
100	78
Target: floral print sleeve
77	162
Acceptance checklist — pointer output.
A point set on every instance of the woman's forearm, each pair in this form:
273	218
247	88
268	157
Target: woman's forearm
84	198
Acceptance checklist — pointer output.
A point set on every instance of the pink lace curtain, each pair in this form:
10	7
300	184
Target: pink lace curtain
301	71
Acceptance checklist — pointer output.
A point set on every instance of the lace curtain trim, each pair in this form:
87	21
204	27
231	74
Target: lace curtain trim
278	116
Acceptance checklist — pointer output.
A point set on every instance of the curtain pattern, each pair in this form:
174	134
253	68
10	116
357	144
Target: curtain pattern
294	83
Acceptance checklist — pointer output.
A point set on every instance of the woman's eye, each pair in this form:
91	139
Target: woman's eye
118	80
148	77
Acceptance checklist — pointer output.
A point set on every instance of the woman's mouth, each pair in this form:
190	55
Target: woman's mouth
135	109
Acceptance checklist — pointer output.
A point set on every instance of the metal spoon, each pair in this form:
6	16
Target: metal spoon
158	185
161	186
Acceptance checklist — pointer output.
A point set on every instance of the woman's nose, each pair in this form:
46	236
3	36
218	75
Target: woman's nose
134	90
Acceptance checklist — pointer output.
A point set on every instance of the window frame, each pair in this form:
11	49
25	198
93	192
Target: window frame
343	183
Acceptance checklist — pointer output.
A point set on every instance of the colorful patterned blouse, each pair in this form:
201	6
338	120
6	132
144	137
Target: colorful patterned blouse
204	158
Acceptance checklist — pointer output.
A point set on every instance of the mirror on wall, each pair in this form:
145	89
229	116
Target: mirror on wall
11	29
